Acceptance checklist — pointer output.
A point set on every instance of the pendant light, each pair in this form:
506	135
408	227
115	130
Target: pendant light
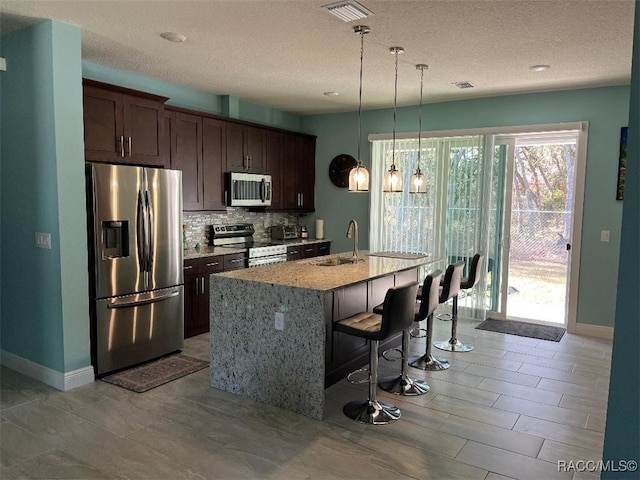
359	175
418	182
393	179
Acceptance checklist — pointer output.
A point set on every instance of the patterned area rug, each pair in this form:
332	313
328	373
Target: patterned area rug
155	373
523	329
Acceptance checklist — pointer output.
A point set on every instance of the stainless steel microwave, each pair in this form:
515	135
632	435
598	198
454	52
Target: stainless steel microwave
248	189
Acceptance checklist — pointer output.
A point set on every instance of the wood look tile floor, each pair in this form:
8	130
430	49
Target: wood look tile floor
511	408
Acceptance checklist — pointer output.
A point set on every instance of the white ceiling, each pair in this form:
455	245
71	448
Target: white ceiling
285	53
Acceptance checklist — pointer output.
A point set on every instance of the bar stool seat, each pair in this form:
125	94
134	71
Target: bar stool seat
397	313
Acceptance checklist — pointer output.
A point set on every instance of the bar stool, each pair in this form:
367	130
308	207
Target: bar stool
403	384
425	309
397	315
450	290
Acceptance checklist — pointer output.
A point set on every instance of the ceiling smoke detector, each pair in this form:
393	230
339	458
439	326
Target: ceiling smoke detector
463	85
348	11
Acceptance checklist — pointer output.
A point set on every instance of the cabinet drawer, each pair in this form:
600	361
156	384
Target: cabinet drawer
309	251
324	248
190	266
213	264
235	261
294	253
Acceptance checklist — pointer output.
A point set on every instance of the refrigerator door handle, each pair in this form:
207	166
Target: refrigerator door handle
150	243
141	227
147	301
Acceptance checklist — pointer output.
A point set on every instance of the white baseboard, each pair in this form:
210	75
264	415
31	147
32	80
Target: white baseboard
598	331
53	378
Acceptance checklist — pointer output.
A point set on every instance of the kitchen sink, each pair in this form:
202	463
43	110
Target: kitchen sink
332	262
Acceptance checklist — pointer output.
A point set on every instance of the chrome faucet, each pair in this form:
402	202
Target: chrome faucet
355	238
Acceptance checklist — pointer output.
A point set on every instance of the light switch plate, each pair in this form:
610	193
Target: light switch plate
604	235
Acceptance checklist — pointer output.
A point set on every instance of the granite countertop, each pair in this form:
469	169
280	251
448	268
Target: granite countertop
309	275
208	251
299	241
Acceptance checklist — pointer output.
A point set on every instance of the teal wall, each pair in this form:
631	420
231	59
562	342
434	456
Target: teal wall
621	441
193	99
44	292
606	110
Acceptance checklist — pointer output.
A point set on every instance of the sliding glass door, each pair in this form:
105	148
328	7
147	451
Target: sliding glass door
534	203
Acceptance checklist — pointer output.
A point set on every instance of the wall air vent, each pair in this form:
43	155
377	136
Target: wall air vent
463	85
348	11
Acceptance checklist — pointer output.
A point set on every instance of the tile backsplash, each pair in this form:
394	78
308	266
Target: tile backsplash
196	224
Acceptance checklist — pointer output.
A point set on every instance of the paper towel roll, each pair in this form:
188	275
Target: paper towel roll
319	229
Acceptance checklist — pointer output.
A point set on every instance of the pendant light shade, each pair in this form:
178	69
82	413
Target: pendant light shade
418	183
393	179
359	175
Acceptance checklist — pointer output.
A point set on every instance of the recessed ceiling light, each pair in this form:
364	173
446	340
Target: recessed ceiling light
331	94
539	68
173	37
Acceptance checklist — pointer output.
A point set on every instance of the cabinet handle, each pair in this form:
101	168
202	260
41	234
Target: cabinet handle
212	264
121	146
188	267
237	260
248	162
225	197
202	288
197	285
302	199
129	146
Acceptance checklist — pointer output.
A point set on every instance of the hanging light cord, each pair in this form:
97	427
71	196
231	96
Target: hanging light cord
362	33
395	100
420	117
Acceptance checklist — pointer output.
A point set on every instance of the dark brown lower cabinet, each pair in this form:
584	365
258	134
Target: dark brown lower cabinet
197	280
346	353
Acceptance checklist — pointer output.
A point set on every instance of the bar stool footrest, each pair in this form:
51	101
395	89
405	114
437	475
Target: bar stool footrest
418	332
356	372
388	358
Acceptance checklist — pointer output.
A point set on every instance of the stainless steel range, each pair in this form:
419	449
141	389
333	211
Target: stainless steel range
240	235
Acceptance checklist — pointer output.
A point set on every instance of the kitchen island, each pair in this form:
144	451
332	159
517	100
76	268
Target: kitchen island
271	327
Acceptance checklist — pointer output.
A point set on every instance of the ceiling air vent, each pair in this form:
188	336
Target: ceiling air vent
348	11
464	85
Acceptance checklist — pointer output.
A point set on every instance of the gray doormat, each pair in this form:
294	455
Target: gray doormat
155	373
523	329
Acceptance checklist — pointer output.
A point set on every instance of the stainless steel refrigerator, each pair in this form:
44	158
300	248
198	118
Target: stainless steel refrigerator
136	284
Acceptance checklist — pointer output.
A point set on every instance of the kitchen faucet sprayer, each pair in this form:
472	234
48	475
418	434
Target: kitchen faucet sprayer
354	224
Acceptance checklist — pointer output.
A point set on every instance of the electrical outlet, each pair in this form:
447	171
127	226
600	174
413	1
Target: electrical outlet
43	240
279	324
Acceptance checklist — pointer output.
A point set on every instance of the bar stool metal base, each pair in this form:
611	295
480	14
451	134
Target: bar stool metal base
453	345
429	362
403	385
371	412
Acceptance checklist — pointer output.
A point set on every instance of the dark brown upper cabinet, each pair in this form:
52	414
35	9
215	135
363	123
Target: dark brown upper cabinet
298	175
246	148
123	125
197	149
